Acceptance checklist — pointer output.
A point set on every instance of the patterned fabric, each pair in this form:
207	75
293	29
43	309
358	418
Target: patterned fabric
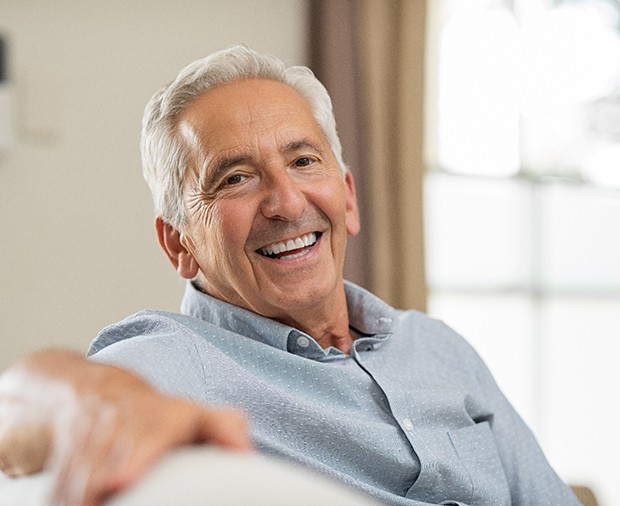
412	416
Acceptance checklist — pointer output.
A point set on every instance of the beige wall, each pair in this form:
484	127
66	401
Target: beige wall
77	248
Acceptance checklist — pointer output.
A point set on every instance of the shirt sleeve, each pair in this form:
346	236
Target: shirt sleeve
158	349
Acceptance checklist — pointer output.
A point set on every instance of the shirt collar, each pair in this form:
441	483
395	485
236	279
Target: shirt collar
368	314
369	317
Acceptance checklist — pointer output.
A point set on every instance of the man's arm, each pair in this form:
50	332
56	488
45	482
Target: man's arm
96	427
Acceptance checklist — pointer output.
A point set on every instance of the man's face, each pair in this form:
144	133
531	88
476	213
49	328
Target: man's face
268	209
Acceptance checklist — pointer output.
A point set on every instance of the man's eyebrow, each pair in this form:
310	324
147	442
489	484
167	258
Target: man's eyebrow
215	169
302	144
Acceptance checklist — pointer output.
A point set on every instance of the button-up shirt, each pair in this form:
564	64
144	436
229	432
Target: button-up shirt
411	416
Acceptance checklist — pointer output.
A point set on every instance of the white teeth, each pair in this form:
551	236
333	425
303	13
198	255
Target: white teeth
291	244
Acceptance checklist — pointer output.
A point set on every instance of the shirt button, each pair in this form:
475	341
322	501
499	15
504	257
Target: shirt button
384	323
408	424
303	341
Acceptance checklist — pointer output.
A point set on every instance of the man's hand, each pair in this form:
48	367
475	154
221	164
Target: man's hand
96	427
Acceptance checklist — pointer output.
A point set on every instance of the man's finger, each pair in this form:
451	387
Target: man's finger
228	428
24	449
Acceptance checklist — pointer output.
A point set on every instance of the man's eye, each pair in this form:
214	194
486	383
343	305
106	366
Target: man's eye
303	162
233	180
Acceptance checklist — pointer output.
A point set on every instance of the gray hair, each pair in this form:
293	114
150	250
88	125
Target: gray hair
165	155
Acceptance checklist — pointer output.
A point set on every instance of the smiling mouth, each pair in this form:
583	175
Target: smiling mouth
293	248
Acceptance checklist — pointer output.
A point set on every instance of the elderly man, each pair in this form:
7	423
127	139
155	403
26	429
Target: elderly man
254	205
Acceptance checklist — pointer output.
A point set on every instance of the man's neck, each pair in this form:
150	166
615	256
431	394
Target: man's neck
328	323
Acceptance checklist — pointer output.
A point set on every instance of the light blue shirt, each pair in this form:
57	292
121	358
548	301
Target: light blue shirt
412	416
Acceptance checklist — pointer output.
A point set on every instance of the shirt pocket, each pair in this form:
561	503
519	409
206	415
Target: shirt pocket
475	447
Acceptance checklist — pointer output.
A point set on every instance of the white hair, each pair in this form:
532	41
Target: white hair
165	155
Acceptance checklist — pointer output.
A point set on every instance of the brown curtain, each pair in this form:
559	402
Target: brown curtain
370	56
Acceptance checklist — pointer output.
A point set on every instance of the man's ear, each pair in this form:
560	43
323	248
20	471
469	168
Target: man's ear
180	257
353	216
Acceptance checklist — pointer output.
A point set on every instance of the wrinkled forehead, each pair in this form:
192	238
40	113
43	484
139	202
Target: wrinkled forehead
253	112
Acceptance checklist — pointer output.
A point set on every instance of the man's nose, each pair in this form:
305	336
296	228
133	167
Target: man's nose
283	197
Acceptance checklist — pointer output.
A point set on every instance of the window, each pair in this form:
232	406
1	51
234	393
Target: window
523	212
